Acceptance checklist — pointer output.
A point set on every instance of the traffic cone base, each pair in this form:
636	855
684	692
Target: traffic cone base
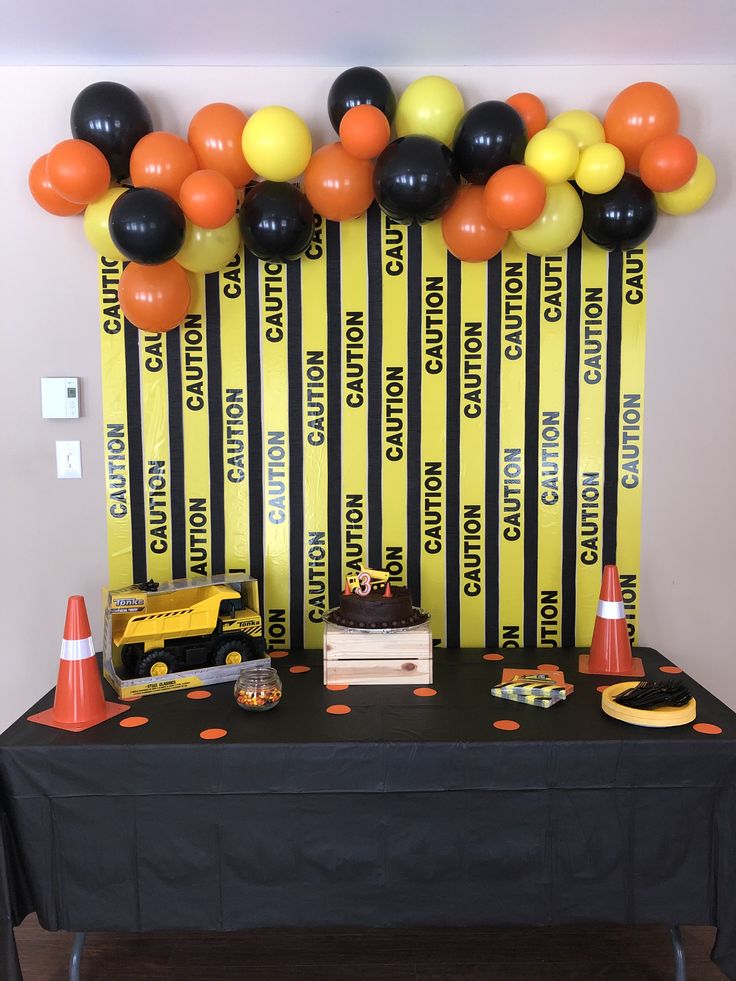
636	671
47	718
79	702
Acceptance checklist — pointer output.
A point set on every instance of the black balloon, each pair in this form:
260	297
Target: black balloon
490	136
147	225
113	118
416	179
277	221
621	218
358	87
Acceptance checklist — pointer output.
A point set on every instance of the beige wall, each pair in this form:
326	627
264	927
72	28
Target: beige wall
53	531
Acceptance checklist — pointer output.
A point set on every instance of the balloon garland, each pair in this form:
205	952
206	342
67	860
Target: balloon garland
166	205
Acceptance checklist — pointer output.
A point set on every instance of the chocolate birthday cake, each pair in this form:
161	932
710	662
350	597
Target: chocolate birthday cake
383	607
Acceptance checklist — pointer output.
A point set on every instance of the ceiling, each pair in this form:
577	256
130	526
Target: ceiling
377	32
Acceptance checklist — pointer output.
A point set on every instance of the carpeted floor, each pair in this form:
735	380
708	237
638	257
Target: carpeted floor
513	954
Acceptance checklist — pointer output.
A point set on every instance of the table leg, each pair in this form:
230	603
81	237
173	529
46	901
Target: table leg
76	959
679	952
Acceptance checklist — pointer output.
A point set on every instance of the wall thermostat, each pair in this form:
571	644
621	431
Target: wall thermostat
60	398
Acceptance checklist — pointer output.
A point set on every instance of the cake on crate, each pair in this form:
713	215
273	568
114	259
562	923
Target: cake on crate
376	635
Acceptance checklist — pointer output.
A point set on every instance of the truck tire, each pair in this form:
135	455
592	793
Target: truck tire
130	656
232	652
157	663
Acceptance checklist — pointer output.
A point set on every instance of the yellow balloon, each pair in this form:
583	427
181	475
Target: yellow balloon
430	106
600	168
557	227
693	195
553	154
206	250
96	218
277	143
585	128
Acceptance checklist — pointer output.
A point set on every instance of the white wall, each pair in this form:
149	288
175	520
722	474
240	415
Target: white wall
53	532
411	32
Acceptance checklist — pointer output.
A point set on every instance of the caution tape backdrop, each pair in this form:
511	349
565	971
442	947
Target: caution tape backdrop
474	429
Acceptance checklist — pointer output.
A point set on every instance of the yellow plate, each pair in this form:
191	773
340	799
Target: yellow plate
659	718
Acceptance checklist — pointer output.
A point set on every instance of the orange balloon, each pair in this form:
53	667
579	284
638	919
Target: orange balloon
78	171
208	199
514	197
365	131
154	298
45	195
531	109
668	162
338	185
162	161
467	230
638	115
216	136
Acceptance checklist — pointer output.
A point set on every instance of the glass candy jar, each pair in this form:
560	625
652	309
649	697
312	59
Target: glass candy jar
258	688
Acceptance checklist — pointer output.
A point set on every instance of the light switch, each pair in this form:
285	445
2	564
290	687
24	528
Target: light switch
68	458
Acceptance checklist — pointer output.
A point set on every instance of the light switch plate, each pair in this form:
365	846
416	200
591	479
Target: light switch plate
68	458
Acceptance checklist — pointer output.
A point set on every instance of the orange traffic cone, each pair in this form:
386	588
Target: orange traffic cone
79	702
347	591
610	649
387	591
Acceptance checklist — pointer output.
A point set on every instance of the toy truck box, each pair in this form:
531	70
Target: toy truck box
180	634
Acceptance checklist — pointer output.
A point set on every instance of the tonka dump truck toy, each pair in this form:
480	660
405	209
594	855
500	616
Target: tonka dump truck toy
367	580
181	631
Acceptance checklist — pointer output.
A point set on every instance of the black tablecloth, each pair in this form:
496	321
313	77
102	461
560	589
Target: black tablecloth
408	809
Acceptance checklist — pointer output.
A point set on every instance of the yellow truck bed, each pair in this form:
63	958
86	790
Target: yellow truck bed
194	620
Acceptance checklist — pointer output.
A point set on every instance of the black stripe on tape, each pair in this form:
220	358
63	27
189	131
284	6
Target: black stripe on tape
334	418
414	410
570	465
176	456
255	419
452	498
531	453
493	439
296	452
375	360
135	453
214	404
613	398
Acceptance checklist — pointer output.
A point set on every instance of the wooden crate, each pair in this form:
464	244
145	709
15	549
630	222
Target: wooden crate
365	657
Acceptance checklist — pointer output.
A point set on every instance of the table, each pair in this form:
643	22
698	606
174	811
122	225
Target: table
410	808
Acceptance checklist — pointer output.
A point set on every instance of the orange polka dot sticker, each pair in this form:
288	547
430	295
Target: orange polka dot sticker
506	725
338	709
278	654
493	657
670	669
133	721
548	667
425	692
337	687
707	728
602	688
299	669
212	733
199	694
